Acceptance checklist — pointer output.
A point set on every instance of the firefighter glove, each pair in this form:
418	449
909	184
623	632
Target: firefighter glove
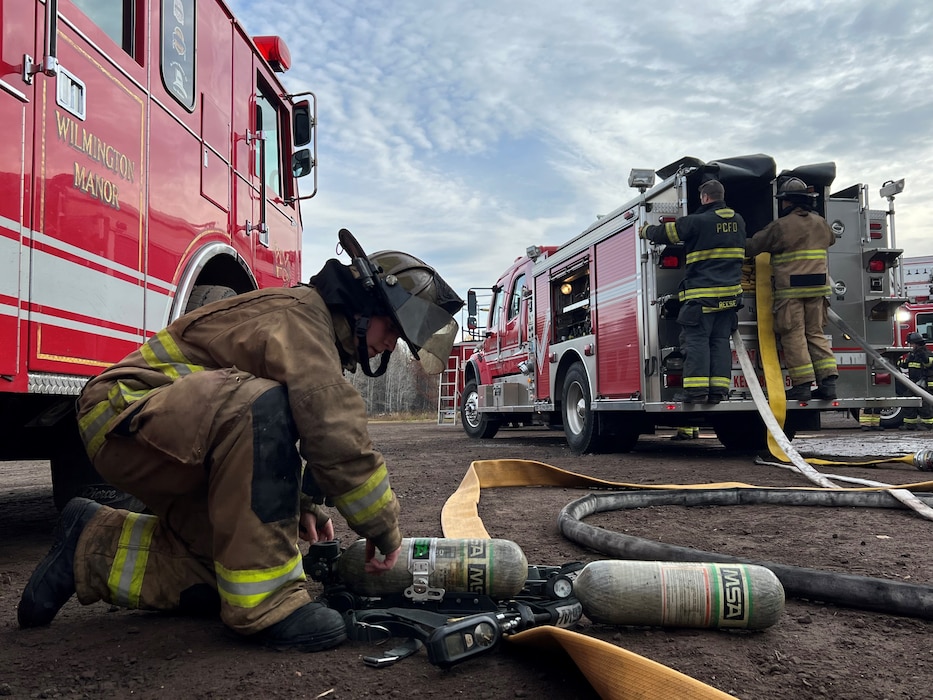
643	231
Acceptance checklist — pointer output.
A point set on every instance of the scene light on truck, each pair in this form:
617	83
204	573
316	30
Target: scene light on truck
876	265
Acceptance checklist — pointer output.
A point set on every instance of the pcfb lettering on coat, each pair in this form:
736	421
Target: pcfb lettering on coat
727	227
733	593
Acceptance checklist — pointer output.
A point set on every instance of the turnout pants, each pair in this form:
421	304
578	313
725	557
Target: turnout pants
808	354
214	457
705	342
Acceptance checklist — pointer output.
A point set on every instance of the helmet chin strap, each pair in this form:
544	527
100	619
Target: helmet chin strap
362	325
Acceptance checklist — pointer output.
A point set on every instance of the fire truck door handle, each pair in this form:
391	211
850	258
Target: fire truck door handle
651	366
49	64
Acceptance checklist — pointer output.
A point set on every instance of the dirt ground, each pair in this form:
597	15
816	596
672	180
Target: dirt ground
814	651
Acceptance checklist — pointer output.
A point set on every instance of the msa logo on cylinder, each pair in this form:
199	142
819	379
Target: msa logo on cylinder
734	594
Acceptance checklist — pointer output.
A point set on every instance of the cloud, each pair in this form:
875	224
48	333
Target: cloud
465	132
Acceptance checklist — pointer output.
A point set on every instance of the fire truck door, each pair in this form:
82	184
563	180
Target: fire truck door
88	259
18	29
267	227
513	324
278	232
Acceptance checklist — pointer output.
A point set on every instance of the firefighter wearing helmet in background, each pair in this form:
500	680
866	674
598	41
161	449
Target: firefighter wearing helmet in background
919	365
798	240
233	425
714	240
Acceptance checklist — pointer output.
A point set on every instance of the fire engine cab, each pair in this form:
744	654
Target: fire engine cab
149	164
584	335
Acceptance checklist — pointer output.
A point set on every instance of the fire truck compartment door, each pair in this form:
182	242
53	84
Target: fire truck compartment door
88	259
16	107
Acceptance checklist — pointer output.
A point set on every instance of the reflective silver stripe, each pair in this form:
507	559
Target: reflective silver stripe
129	564
247	589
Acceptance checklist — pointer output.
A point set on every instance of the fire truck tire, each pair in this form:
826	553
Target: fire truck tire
746	432
580	426
203	294
475	424
892	417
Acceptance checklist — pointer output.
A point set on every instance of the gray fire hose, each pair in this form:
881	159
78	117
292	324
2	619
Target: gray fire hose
881	595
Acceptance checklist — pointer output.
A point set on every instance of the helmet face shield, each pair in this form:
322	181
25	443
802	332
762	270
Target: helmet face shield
429	330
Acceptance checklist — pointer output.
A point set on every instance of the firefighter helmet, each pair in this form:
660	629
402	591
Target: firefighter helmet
417	299
795	189
916	339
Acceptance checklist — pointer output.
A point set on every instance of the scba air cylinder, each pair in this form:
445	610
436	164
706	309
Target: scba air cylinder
671	594
495	568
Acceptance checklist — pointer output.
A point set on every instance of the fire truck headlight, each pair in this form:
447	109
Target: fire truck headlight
902	315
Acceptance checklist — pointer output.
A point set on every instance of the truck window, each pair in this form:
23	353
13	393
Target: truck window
177	55
495	310
515	300
925	326
116	17
268	122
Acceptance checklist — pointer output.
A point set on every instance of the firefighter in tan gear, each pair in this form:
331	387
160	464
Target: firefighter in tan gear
798	241
233	425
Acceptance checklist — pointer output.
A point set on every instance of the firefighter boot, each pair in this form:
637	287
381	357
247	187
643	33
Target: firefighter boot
799	392
826	391
312	627
53	581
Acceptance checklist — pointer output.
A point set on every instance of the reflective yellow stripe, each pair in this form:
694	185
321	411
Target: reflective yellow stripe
725	213
794	255
162	353
801	292
670	228
827	363
696	382
720	382
93	426
125	580
711	292
247	588
716	254
362	503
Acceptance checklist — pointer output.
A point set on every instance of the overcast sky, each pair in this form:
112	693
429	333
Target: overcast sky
463	132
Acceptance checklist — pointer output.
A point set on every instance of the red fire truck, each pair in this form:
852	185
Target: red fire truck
149	165
584	335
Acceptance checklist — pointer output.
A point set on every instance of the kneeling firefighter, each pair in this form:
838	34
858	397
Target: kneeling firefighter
201	424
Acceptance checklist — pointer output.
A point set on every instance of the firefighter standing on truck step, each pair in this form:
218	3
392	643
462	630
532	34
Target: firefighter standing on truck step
209	423
714	241
919	365
798	240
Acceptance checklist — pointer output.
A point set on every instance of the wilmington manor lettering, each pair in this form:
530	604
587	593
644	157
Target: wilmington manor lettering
86	180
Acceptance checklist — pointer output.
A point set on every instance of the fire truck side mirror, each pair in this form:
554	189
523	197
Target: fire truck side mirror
302	162
302	123
471	304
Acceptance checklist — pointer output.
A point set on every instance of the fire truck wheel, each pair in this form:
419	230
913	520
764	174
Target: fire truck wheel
203	294
892	417
745	431
580	427
475	424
